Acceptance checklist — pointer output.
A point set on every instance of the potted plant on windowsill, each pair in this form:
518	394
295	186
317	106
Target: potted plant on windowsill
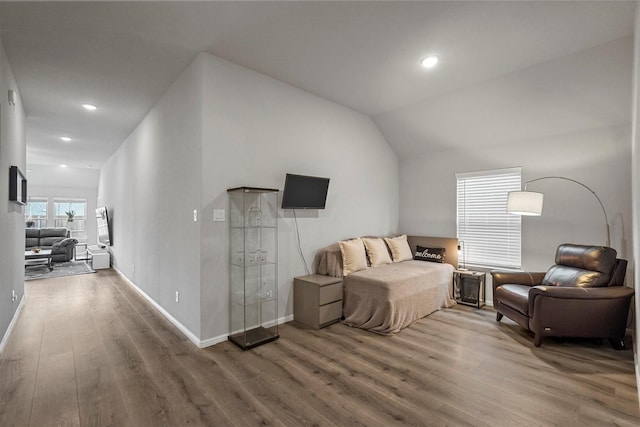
70	215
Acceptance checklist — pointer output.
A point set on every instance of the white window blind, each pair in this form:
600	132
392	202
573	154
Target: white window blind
36	212
77	226
491	236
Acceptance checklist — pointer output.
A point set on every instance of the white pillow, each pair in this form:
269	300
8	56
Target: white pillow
377	251
400	250
354	258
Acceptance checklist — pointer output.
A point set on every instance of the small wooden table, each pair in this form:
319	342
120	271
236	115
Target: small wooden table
44	254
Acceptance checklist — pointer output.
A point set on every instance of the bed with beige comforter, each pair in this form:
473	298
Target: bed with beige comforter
387	298
391	297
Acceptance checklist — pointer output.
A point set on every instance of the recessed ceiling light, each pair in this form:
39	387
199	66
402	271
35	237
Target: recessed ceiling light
430	61
89	107
63	166
65	138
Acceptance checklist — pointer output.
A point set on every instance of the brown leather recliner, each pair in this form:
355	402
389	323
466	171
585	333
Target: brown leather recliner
583	295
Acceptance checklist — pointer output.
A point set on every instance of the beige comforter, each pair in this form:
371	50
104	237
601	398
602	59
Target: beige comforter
388	298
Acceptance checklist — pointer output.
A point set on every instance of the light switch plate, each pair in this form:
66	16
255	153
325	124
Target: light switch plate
218	215
195	215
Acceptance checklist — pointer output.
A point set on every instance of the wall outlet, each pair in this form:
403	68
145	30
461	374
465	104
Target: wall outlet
14	296
177	296
195	215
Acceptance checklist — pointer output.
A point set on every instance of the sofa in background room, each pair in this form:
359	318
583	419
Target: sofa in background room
55	239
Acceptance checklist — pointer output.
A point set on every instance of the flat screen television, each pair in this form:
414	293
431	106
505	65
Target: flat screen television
17	186
304	192
104	228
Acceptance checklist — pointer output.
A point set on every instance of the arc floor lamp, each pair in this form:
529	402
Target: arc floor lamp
530	202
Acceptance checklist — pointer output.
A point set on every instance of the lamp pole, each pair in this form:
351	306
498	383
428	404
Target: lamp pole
604	212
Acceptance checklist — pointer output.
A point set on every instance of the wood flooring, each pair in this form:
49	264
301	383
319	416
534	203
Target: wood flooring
89	351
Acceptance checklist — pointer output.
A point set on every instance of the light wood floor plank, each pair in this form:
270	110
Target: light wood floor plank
144	398
89	351
100	401
232	401
189	403
55	397
18	369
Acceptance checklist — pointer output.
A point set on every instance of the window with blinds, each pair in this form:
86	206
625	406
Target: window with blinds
76	225
36	212
490	236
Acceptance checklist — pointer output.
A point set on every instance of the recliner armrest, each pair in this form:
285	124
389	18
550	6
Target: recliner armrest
567	292
612	298
515	278
64	243
64	247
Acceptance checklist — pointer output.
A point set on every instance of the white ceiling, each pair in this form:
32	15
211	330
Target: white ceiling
122	56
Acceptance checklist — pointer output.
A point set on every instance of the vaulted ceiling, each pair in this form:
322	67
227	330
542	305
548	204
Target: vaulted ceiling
121	56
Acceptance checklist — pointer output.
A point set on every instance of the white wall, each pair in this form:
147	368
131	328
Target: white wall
567	117
150	187
636	185
589	89
56	177
12	152
598	158
89	194
255	130
221	126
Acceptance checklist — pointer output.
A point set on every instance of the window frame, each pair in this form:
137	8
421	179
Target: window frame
490	237
79	228
40	221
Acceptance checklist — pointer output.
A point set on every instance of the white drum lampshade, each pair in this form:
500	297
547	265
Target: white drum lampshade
525	203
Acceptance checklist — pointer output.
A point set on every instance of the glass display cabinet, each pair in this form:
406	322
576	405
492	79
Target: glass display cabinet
254	266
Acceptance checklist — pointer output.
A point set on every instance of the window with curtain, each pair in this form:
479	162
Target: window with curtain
490	236
35	212
77	225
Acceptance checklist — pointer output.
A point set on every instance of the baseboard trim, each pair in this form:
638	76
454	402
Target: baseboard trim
192	337
285	319
12	324
636	362
213	341
222	338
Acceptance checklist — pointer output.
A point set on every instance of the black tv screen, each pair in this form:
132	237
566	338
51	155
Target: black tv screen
304	192
104	228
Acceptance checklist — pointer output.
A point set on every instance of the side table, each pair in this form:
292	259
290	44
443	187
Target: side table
85	257
317	300
100	257
469	287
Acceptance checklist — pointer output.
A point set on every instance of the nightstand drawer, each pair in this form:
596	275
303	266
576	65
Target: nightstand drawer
330	312
330	293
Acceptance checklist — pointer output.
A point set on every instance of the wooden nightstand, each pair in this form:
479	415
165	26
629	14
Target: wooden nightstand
317	300
469	287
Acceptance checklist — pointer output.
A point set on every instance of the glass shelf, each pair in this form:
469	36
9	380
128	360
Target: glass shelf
236	227
239	301
255	264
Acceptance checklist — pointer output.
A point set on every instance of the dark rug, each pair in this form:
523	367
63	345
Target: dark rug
60	269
